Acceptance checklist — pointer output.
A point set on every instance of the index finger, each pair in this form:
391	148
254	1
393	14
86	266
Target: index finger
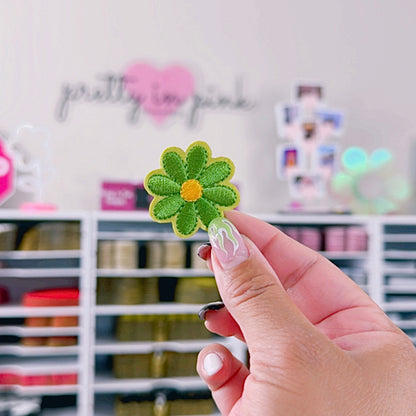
317	286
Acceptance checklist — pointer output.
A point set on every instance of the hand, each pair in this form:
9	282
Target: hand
318	344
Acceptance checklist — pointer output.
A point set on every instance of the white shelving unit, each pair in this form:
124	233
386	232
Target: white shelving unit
137	227
26	270
398	267
386	270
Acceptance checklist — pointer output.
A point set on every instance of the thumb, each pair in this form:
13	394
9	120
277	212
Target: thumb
253	293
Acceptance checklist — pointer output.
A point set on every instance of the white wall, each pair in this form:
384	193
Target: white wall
362	50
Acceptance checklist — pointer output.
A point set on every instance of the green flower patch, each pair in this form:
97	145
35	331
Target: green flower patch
191	188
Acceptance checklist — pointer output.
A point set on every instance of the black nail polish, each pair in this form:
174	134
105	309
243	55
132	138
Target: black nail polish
213	306
203	250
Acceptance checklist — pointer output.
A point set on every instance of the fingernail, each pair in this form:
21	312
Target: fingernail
212	364
213	306
227	243
204	251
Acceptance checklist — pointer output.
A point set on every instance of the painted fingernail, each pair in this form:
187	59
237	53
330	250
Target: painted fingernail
204	251
212	364
213	306
227	243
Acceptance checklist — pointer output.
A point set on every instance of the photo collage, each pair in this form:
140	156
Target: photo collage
307	158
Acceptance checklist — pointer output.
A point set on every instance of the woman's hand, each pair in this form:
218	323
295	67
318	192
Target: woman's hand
318	344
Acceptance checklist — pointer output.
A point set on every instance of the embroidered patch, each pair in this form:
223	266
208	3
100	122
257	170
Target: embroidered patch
191	188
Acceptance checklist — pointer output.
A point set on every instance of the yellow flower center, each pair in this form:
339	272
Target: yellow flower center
191	190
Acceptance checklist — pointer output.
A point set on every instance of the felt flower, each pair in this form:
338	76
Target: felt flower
191	188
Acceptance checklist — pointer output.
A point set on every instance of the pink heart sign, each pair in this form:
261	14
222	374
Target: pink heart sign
159	93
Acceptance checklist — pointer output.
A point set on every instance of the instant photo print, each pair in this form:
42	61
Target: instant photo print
331	123
309	130
287	121
306	186
289	159
309	96
325	159
310	136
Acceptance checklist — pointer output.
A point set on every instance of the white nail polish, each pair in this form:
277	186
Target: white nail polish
212	364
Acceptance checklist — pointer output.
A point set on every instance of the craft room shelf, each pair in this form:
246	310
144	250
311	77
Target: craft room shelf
107	384
135	231
155	309
153	273
114	347
25	331
36	273
21	311
51	250
385	268
42	390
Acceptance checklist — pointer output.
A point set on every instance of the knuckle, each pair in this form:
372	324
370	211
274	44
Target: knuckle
248	286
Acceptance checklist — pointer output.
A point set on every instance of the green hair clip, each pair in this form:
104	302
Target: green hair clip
191	188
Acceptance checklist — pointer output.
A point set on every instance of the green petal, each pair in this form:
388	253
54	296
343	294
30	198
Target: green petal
174	166
167	207
196	159
187	219
162	185
215	173
207	211
221	195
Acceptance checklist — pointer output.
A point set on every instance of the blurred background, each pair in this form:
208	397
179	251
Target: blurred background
55	56
98	310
